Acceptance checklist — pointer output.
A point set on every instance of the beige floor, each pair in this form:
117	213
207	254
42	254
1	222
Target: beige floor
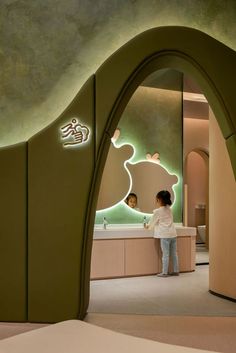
9	329
186	295
177	310
174	310
202	254
210	333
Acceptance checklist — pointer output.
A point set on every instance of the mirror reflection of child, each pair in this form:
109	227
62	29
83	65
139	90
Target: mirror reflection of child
132	201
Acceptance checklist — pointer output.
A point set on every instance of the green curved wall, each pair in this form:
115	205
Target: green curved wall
63	184
13	233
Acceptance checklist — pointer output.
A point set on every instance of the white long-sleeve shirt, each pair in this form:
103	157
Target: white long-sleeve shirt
162	222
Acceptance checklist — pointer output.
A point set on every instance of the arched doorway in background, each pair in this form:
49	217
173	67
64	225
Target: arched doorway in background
196	180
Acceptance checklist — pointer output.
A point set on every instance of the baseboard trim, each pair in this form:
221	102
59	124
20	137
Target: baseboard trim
222	296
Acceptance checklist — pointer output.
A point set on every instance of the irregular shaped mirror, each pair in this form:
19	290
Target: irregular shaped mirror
145	178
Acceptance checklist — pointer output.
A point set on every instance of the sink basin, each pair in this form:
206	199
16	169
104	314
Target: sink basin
135	231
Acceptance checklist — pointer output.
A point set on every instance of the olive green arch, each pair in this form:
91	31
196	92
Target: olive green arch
209	62
48	227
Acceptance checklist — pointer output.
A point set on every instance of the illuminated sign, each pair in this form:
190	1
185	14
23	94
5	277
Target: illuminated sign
74	133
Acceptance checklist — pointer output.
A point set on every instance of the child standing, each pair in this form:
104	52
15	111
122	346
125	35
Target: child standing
164	229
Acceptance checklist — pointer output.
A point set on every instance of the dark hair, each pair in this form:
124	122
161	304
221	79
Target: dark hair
129	197
164	196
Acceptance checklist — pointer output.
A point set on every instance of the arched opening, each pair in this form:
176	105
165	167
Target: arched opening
179	59
143	94
196	181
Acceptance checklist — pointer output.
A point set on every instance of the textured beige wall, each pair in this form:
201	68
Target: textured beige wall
196	135
48	49
222	206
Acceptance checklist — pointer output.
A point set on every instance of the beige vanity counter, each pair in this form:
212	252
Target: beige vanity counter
131	250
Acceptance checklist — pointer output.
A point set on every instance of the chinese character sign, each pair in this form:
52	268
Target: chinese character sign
74	133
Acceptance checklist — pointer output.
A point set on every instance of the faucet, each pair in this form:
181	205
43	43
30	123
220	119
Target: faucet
144	221
105	223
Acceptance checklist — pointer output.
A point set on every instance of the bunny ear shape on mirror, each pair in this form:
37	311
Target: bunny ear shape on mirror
155	155
154	158
116	135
